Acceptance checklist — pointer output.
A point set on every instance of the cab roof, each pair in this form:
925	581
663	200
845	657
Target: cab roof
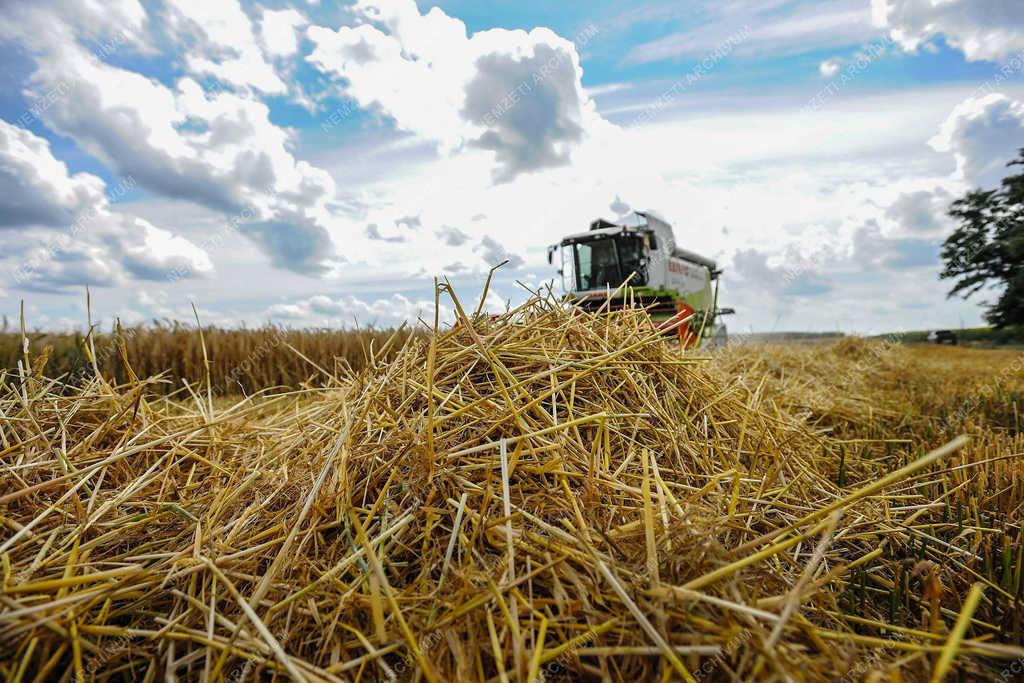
597	233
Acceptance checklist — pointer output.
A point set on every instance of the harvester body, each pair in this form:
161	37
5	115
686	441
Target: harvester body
641	251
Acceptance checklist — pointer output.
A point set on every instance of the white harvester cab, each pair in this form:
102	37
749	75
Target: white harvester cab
670	281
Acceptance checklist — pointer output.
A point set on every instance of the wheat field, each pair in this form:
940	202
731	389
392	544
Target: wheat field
240	360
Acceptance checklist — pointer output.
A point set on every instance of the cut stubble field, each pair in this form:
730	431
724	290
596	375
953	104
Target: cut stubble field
544	494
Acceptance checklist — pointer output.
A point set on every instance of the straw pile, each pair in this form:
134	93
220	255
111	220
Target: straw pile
542	495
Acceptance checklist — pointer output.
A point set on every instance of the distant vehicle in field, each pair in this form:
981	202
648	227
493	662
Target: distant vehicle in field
674	283
942	337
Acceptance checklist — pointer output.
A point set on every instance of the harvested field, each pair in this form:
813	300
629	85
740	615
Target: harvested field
543	495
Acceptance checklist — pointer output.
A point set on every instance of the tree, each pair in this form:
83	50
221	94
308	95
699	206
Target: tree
987	249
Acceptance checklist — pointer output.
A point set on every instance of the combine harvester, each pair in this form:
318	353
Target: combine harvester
672	283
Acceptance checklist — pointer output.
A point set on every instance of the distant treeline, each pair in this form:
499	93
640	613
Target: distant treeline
776	337
981	336
240	359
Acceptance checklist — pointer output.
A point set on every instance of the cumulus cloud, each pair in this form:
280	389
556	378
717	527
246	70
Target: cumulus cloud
63	265
373	232
529	106
292	242
385	312
983	134
866	252
619	207
455	268
451	236
279	31
494	253
410	222
760	273
920	212
218	148
110	25
111	249
873	250
152	253
221	43
35	187
68	233
514	93
981	29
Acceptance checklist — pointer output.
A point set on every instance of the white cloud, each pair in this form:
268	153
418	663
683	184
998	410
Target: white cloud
619	207
111	250
451	236
62	264
216	148
410	222
982	29
100	246
454	268
829	68
513	93
279	31
921	212
783	275
372	232
112	25
222	44
387	311
983	134
494	253
36	188
152	253
384	312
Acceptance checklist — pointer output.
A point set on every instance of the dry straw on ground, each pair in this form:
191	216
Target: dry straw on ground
545	494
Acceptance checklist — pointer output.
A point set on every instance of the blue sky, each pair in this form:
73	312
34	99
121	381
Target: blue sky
319	163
